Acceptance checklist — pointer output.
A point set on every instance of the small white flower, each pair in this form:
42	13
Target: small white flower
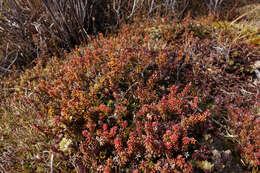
100	140
186	154
116	159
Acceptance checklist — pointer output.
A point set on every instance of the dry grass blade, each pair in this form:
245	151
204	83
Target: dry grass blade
245	14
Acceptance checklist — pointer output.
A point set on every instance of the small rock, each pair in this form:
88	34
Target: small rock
257	65
257	72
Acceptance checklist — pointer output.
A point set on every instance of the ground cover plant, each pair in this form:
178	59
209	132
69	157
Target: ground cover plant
39	29
158	95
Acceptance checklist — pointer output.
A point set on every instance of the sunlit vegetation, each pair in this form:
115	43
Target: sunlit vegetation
159	90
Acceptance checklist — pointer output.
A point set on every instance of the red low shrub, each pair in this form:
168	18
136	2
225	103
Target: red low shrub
120	103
